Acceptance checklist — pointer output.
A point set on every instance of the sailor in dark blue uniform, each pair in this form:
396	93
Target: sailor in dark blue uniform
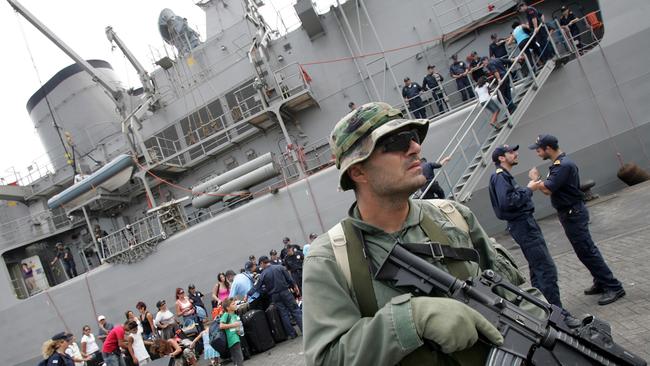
275	281
563	185
411	93
433	81
428	168
498	69
513	204
458	71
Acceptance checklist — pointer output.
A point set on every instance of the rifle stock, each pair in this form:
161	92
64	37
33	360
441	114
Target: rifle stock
533	339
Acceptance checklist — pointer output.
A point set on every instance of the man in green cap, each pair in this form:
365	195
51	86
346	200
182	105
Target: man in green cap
352	319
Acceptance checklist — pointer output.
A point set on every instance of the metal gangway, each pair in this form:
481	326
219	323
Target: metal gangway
472	145
133	242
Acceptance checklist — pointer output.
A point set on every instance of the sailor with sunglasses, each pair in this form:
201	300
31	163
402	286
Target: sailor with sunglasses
349	317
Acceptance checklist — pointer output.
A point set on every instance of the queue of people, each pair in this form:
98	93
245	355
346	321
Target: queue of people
144	336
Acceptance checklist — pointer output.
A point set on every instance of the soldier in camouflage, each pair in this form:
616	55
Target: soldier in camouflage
378	154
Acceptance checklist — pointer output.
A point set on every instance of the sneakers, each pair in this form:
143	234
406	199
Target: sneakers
609	296
594	290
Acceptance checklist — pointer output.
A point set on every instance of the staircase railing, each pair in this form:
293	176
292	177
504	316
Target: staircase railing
469	141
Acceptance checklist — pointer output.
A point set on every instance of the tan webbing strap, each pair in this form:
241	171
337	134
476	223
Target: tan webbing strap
337	239
360	272
435	233
452	213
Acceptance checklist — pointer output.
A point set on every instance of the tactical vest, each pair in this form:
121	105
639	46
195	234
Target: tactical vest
346	243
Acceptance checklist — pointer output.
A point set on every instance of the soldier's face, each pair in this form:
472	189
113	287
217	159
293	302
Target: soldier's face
395	172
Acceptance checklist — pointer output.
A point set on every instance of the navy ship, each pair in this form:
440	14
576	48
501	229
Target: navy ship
222	150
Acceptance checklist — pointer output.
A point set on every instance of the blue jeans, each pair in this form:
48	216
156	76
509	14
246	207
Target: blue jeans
543	273
111	359
575	222
287	306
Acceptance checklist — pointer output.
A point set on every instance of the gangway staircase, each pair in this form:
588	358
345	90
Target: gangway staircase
472	145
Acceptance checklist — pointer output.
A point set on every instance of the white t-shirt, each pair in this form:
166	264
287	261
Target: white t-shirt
483	93
91	344
74	352
138	346
164	318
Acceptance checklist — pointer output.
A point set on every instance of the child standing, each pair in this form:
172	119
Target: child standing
209	353
484	98
231	324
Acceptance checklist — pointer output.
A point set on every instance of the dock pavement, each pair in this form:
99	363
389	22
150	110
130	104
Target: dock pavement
620	226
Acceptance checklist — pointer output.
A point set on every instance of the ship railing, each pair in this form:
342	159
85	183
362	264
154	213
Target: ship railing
465	12
37	225
290	80
133	242
317	156
468	141
245	107
37	169
214	134
208	137
590	33
451	96
565	44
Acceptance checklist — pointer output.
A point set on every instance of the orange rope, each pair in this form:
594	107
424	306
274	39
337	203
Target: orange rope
185	189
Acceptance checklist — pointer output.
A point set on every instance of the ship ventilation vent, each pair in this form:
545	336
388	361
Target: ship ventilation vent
310	21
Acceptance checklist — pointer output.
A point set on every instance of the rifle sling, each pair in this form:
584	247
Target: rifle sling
360	271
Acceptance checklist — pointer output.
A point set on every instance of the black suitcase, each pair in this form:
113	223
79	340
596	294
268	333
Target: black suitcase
245	347
257	331
275	324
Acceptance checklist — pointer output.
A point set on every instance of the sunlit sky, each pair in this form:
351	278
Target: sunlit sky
29	59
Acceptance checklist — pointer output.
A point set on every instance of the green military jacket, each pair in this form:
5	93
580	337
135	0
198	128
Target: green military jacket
334	331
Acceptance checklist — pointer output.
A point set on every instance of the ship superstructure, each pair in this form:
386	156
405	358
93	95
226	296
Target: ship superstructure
226	141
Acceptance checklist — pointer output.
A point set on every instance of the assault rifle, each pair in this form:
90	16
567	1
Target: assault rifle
528	339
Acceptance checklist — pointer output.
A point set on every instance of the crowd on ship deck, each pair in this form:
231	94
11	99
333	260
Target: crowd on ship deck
182	331
468	74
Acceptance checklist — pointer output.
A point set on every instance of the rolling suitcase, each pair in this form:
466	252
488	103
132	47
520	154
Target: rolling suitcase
275	324
245	347
257	331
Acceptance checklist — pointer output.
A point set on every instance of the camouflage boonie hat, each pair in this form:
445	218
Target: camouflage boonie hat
354	137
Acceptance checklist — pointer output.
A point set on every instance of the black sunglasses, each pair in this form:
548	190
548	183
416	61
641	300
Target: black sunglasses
398	142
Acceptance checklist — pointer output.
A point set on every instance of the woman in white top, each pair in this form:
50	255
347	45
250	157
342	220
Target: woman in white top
484	98
74	352
135	343
89	348
165	320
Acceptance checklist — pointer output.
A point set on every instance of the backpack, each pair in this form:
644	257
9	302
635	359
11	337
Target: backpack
218	339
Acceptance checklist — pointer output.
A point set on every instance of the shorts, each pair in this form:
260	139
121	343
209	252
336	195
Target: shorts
491	106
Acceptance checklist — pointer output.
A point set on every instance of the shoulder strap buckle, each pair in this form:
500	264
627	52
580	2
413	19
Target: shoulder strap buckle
436	251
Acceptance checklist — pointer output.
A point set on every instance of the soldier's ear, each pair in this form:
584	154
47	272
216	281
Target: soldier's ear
357	174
